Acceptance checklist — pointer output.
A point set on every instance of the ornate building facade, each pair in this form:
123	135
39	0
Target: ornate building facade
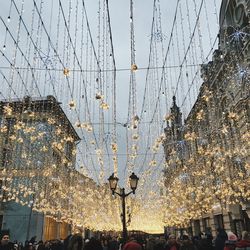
207	155
37	157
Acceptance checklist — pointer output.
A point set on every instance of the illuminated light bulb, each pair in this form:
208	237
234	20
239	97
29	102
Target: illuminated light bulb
134	67
7	110
135	137
224	129
89	128
20	140
66	71
104	106
200	115
72	104
99	96
78	124
51	121
233	116
168	117
114	147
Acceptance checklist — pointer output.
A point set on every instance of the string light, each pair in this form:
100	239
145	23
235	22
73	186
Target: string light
82	76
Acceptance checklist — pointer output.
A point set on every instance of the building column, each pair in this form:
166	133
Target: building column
227	222
212	224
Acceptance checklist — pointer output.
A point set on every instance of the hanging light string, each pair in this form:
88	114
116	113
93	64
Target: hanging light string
189	45
70	41
114	88
206	59
168	49
55	195
155	79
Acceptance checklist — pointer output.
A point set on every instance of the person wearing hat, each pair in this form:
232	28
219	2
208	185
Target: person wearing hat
186	243
172	244
244	243
132	245
230	243
220	239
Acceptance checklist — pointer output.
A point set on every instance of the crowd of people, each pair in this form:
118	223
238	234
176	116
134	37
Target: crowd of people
223	241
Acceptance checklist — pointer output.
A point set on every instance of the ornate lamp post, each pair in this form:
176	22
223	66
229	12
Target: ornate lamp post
113	181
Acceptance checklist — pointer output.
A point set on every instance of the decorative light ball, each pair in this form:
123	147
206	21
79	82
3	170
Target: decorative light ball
72	104
134	67
98	96
66	71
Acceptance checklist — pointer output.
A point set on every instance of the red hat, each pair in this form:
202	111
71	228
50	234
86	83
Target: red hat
132	246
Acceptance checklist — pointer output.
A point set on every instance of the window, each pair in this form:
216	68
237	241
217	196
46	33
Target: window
218	221
6	157
206	224
197	228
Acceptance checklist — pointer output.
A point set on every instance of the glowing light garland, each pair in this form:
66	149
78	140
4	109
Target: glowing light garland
47	172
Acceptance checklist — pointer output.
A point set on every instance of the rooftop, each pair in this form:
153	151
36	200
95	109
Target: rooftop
47	104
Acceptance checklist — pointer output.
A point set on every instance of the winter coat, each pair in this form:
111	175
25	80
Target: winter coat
230	245
113	245
220	240
205	244
160	245
243	245
8	246
93	244
187	245
150	244
174	246
229	248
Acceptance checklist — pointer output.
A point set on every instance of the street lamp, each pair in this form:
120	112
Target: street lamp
113	181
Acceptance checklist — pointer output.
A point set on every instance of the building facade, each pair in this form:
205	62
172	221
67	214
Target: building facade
208	154
37	156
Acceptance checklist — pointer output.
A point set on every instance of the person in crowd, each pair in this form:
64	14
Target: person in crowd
230	243
93	244
30	246
205	242
187	244
220	239
40	245
20	246
105	243
244	243
160	244
132	244
5	242
113	244
172	243
74	242
150	243
58	245
47	245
